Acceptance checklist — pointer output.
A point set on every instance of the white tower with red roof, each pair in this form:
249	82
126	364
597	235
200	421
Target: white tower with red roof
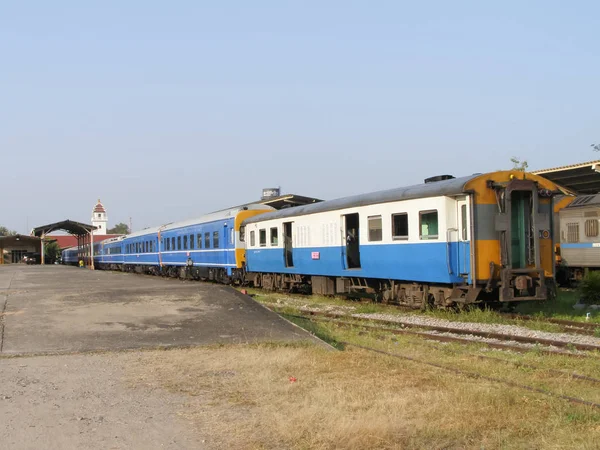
99	219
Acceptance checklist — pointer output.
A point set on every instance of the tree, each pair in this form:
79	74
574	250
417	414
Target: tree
518	164
120	228
6	232
52	252
596	147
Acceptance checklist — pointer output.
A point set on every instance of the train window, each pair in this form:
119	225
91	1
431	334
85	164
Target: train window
572	233
262	237
231	236
147	247
215	239
185	242
274	240
242	234
173	243
199	240
192	242
591	227
252	239
400	226
428	224
178	242
375	228
206	240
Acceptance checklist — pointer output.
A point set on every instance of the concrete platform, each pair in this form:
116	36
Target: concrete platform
59	309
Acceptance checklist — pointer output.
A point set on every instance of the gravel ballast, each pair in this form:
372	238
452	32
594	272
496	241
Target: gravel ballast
513	330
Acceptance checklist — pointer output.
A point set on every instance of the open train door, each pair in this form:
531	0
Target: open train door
351	236
288	244
464	236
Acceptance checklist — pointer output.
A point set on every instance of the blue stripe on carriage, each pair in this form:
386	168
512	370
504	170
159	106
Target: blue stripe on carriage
415	262
581	245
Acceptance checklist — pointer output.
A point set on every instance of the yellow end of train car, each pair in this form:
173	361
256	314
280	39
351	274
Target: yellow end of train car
512	255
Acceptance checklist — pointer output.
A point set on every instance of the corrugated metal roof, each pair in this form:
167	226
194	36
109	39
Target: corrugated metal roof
582	178
451	187
590	164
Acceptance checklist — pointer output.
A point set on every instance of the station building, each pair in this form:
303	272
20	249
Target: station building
13	249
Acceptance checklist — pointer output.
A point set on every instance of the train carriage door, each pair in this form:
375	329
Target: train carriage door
224	244
351	236
464	235
288	244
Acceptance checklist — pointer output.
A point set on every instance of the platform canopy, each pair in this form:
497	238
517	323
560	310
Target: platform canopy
83	232
581	178
70	226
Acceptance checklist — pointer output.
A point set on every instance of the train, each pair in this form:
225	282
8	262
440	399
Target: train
579	237
448	242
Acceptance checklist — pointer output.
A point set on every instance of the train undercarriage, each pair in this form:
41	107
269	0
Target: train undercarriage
413	295
393	292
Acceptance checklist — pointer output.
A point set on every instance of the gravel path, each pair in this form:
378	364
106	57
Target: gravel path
513	330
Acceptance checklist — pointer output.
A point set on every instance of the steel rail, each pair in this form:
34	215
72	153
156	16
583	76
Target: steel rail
573	325
438	338
484	357
484	334
479	376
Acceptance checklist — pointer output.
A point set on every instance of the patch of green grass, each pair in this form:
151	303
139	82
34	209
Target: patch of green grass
559	308
319	330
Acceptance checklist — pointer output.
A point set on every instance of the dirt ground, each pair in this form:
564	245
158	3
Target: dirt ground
68	336
84	402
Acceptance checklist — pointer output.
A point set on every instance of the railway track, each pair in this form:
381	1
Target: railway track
475	375
455	334
583	378
570	326
574	375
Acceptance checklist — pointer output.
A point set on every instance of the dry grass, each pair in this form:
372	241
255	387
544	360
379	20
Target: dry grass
242	397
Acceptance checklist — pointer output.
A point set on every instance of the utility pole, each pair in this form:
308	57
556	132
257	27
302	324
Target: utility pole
42	261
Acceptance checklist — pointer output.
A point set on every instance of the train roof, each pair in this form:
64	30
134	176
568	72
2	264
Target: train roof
212	217
111	240
454	186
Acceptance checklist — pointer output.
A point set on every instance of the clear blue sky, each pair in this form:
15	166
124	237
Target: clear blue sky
166	110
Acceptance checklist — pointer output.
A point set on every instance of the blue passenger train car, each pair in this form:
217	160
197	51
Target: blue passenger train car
69	256
209	247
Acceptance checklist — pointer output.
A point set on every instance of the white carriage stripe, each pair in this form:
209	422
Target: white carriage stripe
179	264
170	252
197	251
